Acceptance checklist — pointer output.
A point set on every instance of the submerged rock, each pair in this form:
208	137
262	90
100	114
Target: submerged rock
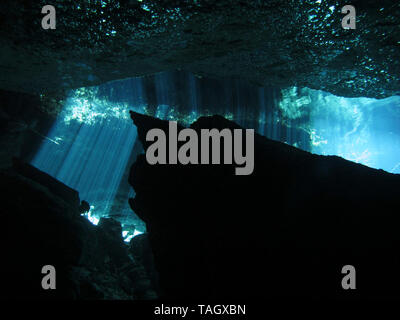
42	225
286	230
281	43
140	249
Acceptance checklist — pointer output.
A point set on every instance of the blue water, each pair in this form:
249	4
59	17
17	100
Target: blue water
90	145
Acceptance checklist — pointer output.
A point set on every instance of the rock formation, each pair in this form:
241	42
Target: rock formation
280	43
42	225
286	230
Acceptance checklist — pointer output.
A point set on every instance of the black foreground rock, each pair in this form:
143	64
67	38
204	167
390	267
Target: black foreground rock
286	230
41	225
280	43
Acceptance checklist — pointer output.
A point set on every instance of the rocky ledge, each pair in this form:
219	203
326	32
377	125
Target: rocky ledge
286	230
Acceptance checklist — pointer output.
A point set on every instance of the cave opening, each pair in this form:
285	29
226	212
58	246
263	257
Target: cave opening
92	144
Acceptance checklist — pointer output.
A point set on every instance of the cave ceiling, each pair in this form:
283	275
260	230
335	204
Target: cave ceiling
278	43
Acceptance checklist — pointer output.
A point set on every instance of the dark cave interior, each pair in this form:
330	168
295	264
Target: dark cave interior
76	190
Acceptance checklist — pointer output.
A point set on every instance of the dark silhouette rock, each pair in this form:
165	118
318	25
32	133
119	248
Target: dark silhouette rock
41	225
84	207
24	122
69	195
140	249
112	228
112	242
286	230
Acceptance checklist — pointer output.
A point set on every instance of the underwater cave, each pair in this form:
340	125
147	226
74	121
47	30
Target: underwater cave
77	192
95	121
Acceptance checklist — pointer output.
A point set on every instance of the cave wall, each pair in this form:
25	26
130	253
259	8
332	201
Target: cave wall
25	120
42	225
286	230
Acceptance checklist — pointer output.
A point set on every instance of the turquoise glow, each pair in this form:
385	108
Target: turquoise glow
361	130
90	147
